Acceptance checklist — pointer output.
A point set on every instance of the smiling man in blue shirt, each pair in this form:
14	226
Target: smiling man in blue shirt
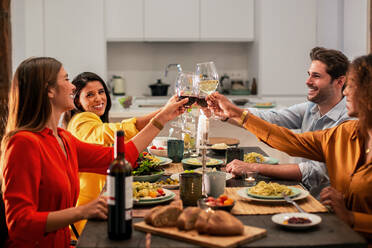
325	108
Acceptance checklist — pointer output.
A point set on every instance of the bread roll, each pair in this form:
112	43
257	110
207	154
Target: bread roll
163	216
223	223
148	216
201	224
186	221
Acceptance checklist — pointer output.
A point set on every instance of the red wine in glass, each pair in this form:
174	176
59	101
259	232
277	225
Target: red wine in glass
192	99
202	102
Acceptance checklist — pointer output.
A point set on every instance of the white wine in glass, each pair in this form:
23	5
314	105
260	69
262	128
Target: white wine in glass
208	81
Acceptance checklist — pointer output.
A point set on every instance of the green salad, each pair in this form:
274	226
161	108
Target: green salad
147	165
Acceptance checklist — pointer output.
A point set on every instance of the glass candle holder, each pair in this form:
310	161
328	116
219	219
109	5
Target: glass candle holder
250	178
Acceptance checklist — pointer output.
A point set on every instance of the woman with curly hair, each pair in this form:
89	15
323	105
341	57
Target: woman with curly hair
346	149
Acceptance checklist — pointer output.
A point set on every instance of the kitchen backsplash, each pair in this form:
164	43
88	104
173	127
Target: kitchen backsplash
142	63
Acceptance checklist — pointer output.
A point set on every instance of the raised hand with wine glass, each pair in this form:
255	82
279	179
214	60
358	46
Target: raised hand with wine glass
207	81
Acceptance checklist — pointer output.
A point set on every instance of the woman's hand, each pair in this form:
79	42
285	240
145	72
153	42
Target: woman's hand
223	107
331	197
96	209
238	167
171	110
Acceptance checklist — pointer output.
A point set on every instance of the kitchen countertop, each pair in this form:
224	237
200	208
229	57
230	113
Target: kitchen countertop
117	112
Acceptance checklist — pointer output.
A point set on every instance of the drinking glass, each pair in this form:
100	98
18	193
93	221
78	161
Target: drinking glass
189	131
207	81
186	87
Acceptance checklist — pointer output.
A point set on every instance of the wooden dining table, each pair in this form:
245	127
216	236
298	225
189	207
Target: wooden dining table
331	232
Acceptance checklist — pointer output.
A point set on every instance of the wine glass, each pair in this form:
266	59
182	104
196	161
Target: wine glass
186	87
207	81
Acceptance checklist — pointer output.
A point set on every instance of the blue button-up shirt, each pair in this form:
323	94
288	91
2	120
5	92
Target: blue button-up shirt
306	117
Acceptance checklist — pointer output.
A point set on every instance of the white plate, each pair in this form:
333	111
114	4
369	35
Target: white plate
280	218
270	160
149	201
176	176
170	186
243	193
164	161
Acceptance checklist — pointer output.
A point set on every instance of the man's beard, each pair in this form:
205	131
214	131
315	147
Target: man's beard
322	96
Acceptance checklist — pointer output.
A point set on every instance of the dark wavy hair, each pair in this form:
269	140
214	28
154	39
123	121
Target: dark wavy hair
80	81
361	68
337	63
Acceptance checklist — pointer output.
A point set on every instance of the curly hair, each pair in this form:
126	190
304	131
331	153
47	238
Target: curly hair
337	63
361	68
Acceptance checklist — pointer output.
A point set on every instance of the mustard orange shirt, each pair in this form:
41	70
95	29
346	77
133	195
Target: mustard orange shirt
341	149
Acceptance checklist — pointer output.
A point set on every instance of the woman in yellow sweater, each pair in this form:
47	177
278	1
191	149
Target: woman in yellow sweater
346	149
89	122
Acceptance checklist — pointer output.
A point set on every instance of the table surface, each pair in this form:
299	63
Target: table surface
332	232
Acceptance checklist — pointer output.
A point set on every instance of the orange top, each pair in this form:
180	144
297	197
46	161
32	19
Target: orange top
341	149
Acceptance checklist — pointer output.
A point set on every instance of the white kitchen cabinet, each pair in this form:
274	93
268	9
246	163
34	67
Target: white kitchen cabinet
124	20
171	20
74	34
222	20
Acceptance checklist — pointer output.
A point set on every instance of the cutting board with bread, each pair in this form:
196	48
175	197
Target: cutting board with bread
200	227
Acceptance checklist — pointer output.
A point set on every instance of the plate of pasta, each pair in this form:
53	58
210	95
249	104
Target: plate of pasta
254	157
271	192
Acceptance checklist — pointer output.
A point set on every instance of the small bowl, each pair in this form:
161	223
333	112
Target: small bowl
221	152
161	141
126	101
203	204
226	208
157	152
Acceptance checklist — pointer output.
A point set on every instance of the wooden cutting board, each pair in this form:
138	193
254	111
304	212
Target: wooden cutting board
227	141
250	233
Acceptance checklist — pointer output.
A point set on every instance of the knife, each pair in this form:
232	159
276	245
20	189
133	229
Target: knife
289	200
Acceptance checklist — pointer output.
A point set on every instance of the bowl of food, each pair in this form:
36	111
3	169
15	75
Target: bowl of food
223	202
148	168
160	151
161	141
219	148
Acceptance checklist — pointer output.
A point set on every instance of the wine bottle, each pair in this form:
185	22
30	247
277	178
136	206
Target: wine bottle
119	189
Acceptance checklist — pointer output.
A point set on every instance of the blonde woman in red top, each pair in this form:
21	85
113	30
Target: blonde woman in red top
40	162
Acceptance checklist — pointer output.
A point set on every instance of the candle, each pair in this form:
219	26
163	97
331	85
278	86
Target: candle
250	179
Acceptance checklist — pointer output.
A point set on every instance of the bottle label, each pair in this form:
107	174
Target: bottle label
128	192
110	190
128	197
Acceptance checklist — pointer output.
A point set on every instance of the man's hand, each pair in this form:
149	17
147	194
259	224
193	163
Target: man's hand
223	107
238	167
333	198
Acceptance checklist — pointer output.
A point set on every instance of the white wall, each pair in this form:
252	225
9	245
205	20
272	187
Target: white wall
27	18
330	24
141	63
355	27
287	32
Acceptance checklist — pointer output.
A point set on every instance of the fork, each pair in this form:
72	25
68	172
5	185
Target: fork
290	200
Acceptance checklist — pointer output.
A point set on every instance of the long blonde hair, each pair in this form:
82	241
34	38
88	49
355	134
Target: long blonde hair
29	107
